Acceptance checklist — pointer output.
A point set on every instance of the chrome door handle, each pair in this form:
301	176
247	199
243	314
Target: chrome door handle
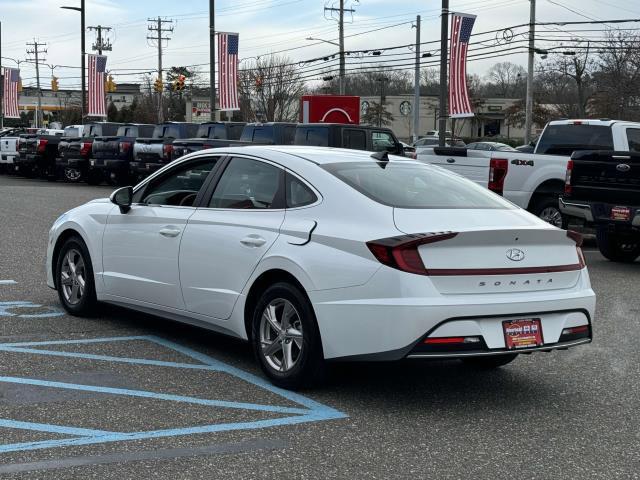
170	232
253	241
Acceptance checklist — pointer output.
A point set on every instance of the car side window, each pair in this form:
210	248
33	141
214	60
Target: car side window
298	194
633	137
382	141
178	187
249	184
355	139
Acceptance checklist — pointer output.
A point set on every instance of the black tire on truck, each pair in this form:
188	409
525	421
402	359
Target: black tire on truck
616	247
548	209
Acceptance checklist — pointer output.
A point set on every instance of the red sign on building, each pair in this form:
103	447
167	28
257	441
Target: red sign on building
330	109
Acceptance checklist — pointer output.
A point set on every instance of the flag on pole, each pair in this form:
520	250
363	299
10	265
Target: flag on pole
461	26
11	80
97	67
228	71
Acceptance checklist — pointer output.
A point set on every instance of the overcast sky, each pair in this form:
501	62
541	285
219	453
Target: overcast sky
274	25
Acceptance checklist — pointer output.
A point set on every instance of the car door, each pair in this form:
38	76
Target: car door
226	238
140	247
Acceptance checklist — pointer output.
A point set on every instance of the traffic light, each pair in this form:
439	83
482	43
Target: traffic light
178	83
110	85
157	86
54	84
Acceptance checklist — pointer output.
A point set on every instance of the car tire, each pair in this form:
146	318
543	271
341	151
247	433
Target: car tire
548	209
73	270
615	248
300	338
489	362
72	175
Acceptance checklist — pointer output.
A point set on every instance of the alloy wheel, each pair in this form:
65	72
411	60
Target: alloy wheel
72	174
552	215
73	277
281	336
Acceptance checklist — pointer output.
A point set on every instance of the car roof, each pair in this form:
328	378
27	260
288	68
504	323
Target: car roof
317	155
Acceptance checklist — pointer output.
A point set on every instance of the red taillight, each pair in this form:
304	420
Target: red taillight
579	239
498	168
576	330
124	147
85	150
167	151
401	252
42	145
567	178
448	340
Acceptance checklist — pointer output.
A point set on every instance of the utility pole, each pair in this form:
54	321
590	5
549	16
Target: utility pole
382	99
444	36
528	119
416	93
157	27
36	51
212	61
341	9
1	83
101	44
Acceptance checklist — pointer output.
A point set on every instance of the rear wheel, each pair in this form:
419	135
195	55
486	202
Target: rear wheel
74	278
616	247
490	362
285	337
73	175
547	209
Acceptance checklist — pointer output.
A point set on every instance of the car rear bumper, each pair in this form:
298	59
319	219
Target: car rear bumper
7	159
109	164
597	212
71	162
383	321
28	159
145	168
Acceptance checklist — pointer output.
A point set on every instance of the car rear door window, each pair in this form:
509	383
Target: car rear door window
248	184
312	136
179	186
633	137
354	139
382	141
298	194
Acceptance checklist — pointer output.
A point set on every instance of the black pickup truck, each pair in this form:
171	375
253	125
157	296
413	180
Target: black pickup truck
37	154
74	153
151	154
272	133
111	155
603	189
357	137
209	135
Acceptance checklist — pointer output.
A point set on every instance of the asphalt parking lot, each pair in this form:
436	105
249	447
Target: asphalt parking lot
126	395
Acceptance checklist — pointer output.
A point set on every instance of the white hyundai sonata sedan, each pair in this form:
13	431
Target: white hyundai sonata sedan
316	254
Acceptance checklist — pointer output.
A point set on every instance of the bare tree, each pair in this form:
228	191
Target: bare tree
270	88
506	78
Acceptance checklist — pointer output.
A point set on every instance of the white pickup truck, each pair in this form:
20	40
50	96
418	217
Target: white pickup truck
535	180
8	149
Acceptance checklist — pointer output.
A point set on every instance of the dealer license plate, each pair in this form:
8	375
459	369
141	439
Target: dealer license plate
620	213
523	333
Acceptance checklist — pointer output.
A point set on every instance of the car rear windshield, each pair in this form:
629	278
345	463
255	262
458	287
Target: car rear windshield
565	139
165	131
415	185
71	132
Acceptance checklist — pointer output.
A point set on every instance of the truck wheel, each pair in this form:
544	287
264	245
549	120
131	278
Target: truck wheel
547	209
616	248
73	175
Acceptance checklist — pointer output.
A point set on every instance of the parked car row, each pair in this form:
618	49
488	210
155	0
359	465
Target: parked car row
126	153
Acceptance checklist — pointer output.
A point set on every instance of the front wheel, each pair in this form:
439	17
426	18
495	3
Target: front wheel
489	362
285	337
616	247
74	278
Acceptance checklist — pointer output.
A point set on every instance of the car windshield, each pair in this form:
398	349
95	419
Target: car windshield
566	138
415	185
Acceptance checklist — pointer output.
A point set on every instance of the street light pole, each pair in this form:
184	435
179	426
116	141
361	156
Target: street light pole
528	119
444	34
81	9
212	60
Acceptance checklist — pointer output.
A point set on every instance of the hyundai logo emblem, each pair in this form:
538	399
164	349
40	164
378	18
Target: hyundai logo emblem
623	167
515	254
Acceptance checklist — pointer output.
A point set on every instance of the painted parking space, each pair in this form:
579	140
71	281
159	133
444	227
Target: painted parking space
26	309
304	409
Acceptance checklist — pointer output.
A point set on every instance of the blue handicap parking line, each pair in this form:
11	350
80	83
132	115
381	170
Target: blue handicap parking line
7	309
308	411
8	282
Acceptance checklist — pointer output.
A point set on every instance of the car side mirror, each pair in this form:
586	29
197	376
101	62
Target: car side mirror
123	197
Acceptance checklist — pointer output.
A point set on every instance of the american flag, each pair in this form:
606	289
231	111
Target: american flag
461	26
97	67
11	79
228	71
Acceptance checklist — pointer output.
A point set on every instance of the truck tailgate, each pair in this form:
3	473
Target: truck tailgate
473	165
